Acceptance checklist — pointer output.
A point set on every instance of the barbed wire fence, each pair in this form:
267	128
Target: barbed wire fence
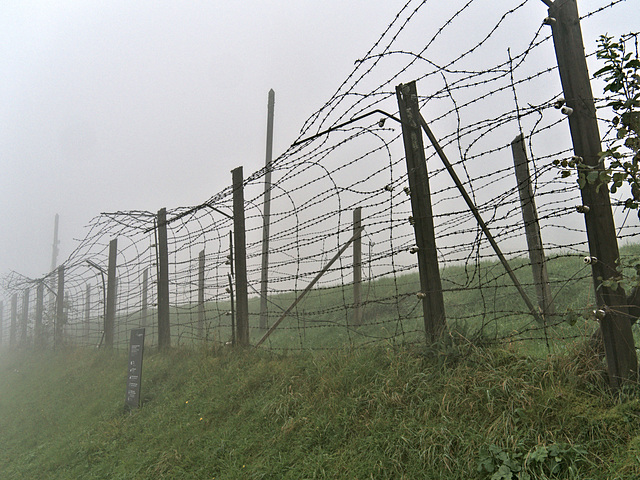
477	91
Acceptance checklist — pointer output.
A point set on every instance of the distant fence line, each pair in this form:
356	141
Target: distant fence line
371	292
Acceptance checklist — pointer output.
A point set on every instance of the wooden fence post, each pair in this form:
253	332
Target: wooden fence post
430	283
308	287
59	318
239	240
24	321
622	362
38	340
532	228
266	213
110	317
232	297
145	296
357	267
164	327
201	265
14	318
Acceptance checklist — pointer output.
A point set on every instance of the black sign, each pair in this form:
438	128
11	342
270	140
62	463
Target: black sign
134	376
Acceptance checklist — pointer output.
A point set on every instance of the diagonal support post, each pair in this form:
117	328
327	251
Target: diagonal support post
478	217
355	235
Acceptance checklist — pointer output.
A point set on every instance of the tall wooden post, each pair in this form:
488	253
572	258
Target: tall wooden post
54	263
13	326
164	327
239	240
266	213
110	317
145	296
24	321
232	297
1	321
201	265
38	340
87	313
430	283
622	362
59	320
532	228
357	267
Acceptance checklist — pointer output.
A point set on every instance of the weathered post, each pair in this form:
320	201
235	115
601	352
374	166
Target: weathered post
145	296
357	267
110	317
232	297
266	213
54	263
232	312
164	327
239	240
201	265
430	283
59	319
24	321
14	319
38	340
532	228
622	362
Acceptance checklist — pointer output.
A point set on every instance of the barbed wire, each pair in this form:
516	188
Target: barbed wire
477	94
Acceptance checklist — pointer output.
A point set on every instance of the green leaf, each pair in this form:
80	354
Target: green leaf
503	473
605	69
635	63
592	177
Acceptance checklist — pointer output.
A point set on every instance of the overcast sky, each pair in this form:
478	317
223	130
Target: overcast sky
137	105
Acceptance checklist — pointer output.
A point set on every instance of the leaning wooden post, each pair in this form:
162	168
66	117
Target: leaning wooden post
532	228
164	327
308	288
59	319
24	321
110	317
357	267
201	265
239	240
14	319
622	362
266	213
430	283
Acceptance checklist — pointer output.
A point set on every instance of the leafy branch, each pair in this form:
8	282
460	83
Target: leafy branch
621	72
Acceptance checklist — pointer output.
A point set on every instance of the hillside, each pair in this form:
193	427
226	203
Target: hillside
370	413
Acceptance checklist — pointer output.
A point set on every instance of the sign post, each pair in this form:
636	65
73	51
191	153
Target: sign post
134	368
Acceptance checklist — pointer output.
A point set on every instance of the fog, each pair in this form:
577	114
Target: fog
110	106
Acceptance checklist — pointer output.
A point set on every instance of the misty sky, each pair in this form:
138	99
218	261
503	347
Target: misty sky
122	105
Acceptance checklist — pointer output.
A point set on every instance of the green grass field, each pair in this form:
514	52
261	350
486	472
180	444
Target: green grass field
374	404
377	412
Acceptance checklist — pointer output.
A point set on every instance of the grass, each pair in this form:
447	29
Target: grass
381	412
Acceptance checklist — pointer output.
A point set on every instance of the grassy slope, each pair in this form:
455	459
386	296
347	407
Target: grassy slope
371	413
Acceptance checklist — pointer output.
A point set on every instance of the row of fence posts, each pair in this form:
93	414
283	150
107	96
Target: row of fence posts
616	329
615	326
